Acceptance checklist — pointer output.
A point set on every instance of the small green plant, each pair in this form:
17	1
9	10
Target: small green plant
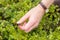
12	10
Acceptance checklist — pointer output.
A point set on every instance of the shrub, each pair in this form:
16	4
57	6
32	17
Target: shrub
12	10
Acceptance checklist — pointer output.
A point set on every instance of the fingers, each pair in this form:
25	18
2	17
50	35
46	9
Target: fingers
34	26
20	26
24	18
28	25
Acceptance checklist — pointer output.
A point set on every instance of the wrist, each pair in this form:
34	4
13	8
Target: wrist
47	3
41	10
40	7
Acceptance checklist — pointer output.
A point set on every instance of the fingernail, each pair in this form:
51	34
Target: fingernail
19	24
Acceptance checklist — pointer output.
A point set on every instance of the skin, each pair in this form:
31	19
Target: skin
34	16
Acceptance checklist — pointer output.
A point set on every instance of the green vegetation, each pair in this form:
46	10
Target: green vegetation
12	10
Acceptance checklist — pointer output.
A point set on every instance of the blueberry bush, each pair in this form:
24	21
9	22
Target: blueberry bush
12	10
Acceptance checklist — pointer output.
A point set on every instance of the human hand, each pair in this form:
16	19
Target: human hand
34	16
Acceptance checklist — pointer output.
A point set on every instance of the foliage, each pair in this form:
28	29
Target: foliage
12	10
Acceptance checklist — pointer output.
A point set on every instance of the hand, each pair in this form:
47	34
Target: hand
34	16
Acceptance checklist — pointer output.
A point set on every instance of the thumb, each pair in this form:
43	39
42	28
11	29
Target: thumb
24	18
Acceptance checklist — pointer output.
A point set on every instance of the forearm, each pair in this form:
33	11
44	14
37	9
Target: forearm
47	3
